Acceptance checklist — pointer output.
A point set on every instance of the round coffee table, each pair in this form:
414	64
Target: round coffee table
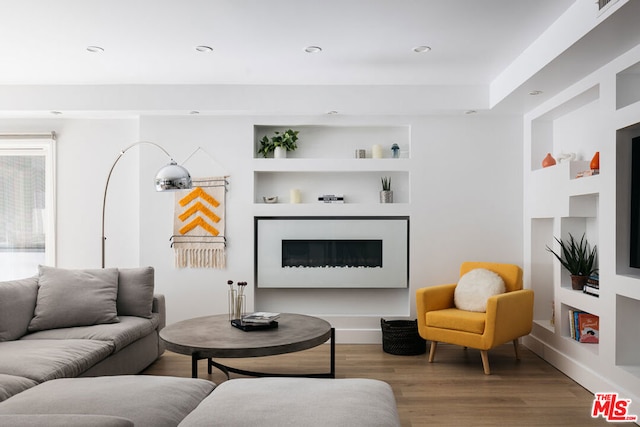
213	336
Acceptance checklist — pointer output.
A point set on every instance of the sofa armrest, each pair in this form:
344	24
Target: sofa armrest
159	306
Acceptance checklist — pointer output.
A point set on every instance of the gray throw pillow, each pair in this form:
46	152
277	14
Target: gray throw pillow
68	298
135	291
17	303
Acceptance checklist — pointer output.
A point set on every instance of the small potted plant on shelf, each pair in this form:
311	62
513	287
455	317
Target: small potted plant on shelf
386	195
279	143
576	257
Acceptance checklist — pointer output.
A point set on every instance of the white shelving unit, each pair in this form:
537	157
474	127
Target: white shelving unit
325	163
600	113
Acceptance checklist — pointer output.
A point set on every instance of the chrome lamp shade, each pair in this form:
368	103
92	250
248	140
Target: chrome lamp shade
172	177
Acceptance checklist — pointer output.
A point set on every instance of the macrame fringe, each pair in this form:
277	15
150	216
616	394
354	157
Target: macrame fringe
200	258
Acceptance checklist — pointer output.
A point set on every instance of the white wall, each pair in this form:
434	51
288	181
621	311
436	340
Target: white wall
466	203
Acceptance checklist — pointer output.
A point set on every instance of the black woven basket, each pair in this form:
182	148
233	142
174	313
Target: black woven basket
401	337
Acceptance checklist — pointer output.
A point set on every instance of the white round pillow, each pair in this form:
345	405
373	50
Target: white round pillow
475	287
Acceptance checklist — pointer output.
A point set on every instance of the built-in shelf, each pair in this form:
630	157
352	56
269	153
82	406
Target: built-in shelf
325	164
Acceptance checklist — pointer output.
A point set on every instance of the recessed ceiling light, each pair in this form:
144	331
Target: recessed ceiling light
422	49
95	49
332	112
194	112
56	113
535	92
203	48
313	49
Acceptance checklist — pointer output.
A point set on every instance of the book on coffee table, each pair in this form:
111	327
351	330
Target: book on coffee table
260	318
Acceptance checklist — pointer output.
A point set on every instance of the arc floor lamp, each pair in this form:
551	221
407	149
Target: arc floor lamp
170	177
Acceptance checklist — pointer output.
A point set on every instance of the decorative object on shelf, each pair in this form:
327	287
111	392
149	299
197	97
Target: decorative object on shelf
566	157
270	199
331	198
579	261
548	161
593	286
595	162
198	237
361	153
170	178
376	151
294	196
395	151
237	300
279	143
386	195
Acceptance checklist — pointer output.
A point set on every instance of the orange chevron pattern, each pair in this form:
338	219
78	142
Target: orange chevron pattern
199	192
199	207
199	222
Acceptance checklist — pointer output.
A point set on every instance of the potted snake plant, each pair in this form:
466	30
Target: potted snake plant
577	258
386	195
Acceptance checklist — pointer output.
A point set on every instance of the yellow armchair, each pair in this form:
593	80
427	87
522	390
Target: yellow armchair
508	316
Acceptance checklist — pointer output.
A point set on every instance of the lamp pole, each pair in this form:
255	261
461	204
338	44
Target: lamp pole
182	180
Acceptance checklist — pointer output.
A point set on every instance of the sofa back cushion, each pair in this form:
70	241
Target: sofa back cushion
17	303
135	291
68	298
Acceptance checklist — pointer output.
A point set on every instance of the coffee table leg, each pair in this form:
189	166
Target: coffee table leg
194	366
209	364
333	353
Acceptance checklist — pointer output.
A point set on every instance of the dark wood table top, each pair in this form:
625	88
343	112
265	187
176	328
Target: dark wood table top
213	336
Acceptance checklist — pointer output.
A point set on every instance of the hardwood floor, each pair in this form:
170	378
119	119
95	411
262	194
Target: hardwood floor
452	391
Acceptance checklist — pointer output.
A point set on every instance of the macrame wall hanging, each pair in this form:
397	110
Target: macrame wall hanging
199	224
199	239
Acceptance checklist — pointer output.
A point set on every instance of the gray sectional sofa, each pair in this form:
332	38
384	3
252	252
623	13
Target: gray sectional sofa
73	323
71	340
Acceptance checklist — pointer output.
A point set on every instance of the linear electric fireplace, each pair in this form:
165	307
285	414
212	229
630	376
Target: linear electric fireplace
332	252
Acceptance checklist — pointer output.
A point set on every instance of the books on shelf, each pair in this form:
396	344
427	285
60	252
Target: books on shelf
585	327
260	318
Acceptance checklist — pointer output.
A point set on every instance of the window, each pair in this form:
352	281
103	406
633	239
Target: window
27	204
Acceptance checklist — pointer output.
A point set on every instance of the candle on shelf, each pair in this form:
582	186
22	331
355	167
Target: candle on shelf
376	151
294	196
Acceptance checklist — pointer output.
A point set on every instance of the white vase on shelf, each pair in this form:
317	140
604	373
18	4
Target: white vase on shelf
279	153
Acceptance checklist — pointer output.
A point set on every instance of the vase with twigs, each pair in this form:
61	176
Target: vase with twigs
386	195
237	300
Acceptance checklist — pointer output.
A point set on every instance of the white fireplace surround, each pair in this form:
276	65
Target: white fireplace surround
392	231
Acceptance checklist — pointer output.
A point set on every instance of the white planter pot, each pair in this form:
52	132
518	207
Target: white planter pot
279	153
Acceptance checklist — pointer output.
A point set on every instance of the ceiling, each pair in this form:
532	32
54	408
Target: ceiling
364	42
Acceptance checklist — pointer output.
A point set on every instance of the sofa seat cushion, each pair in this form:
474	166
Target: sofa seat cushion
44	360
457	320
145	400
11	384
121	334
277	402
64	420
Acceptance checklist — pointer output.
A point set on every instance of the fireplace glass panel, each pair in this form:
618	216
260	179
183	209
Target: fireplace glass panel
331	253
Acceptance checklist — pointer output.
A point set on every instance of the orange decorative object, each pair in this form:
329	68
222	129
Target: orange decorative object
548	161
595	162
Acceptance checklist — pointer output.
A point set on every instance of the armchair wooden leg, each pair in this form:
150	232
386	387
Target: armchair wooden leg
485	361
432	351
515	347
